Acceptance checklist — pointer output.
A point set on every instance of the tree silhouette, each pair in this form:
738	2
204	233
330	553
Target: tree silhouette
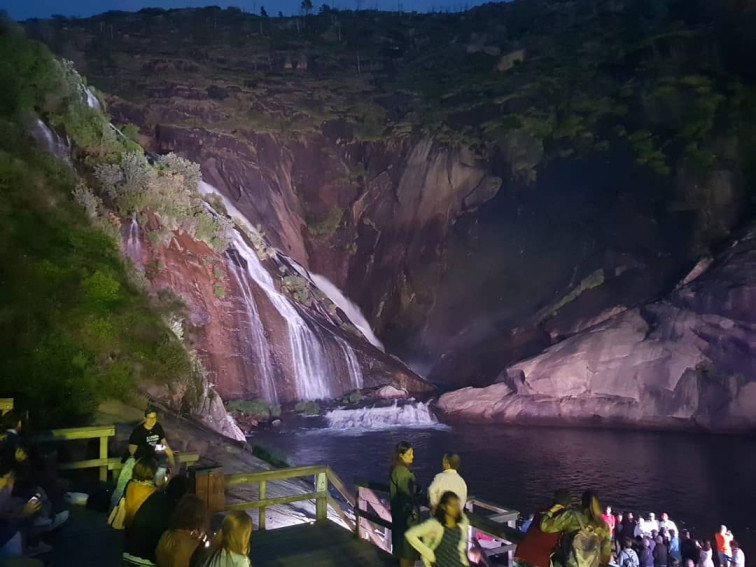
306	7
263	12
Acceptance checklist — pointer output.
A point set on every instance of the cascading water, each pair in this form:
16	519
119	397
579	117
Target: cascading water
312	367
352	312
92	101
50	141
257	341
353	365
308	355
134	243
416	414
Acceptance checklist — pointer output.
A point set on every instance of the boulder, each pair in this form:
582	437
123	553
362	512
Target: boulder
683	361
390	393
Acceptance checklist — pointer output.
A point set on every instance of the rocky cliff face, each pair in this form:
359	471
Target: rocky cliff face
683	361
262	329
480	189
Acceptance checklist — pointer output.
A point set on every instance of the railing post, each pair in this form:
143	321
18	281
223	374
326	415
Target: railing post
261	511
104	457
357	519
321	503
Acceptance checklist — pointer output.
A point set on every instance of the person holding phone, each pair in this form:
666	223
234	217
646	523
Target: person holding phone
148	439
15	514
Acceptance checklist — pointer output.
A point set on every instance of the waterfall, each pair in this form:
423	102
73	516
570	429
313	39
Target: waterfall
134	243
416	414
313	369
254	329
92	101
308	354
50	141
351	310
352	364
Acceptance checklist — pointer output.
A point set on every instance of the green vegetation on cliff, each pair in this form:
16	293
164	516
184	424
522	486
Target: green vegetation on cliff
532	79
76	325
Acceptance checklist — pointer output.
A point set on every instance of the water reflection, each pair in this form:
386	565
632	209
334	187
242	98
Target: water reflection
701	481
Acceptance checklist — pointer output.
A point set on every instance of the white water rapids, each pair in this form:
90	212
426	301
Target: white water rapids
416	414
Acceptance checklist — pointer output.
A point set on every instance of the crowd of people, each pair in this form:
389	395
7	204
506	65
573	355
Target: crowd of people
625	540
163	523
560	535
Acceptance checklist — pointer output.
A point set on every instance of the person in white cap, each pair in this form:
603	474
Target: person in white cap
667	524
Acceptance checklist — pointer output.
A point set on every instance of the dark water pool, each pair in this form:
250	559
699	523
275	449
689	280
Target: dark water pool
701	481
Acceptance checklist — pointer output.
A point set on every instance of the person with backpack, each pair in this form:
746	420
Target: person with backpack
628	557
585	540
535	549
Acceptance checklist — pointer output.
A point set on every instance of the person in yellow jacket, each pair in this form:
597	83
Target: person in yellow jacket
442	540
586	541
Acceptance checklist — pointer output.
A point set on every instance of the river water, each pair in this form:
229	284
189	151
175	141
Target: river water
700	480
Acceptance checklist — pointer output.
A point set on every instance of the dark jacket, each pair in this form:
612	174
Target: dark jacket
405	511
148	525
689	551
661	555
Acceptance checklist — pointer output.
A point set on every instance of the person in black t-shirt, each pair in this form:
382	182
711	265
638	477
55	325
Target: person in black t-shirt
148	438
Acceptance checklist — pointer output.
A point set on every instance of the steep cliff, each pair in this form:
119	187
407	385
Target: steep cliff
683	361
480	184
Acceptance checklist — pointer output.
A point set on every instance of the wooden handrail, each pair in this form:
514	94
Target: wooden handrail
277	474
322	499
6	404
340	487
103	433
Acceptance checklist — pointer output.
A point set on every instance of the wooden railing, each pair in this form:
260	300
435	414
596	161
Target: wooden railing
6	404
323	476
103	462
373	509
103	433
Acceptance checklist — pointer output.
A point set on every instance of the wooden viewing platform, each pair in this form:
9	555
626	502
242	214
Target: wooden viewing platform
341	529
332	538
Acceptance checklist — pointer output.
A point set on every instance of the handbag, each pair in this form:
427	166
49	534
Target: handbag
117	517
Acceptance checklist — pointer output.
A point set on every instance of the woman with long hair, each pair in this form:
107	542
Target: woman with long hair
141	486
571	521
231	545
186	532
442	540
405	512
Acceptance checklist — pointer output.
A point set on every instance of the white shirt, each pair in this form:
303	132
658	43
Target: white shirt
447	481
669	525
738	558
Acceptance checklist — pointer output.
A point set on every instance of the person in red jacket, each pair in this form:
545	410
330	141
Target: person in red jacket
536	547
611	521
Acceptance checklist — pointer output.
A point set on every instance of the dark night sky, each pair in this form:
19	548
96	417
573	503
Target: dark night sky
23	9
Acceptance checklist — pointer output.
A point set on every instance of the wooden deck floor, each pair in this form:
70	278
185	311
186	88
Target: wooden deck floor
316	545
87	540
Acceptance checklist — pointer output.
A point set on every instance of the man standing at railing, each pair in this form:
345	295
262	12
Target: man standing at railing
448	480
